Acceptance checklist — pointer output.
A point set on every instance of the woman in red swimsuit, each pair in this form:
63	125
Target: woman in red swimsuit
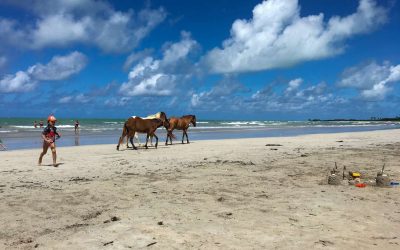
49	136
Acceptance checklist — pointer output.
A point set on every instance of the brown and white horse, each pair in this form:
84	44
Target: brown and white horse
180	124
159	115
149	126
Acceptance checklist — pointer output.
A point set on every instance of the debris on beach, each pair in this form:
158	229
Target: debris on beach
273	145
113	218
150	244
108	243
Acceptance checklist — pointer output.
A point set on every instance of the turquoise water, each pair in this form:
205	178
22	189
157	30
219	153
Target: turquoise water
18	133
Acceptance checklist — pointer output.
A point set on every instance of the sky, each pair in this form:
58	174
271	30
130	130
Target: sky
220	59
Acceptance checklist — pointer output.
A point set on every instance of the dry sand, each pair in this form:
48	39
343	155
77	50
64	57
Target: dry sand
225	194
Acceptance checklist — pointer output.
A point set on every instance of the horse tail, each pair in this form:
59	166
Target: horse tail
125	131
172	135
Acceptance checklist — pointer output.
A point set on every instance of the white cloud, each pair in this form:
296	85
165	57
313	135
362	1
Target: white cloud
372	80
135	57
59	30
293	86
61	23
277	36
118	102
229	96
20	82
65	99
160	77
80	98
59	68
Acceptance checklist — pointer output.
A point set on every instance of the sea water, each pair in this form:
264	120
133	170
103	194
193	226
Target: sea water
19	133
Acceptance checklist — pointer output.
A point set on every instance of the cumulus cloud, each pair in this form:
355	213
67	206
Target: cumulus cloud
374	81
60	23
20	82
161	76
277	36
59	68
293	98
80	98
293	86
117	102
135	57
232	96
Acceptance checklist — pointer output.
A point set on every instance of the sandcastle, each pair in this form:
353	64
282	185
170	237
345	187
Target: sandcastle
334	178
382	179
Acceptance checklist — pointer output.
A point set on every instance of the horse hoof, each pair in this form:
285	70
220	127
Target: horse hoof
117	148
134	148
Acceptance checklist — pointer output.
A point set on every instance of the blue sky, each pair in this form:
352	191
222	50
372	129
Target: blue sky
270	60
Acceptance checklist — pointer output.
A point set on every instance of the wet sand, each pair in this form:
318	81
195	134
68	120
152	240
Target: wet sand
222	194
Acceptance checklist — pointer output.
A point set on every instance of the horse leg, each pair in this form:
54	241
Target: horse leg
183	135
147	139
156	139
127	141
133	145
131	140
187	138
166	142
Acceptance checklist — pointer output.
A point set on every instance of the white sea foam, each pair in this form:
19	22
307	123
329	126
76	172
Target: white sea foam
8	131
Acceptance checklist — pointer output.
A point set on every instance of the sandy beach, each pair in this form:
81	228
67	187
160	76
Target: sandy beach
221	194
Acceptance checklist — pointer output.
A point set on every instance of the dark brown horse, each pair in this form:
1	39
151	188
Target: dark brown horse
149	126
180	124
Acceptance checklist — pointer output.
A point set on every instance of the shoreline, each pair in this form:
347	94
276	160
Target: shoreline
257	193
110	137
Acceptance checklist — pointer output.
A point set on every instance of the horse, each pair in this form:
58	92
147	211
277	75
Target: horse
180	124
137	124
159	115
129	136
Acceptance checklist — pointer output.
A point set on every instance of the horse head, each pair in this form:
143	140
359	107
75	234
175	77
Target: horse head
193	120
166	123
163	117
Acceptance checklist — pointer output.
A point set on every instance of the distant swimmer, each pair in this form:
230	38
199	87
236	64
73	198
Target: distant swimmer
49	136
76	126
35	124
41	123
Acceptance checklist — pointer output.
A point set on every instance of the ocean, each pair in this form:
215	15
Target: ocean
19	133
